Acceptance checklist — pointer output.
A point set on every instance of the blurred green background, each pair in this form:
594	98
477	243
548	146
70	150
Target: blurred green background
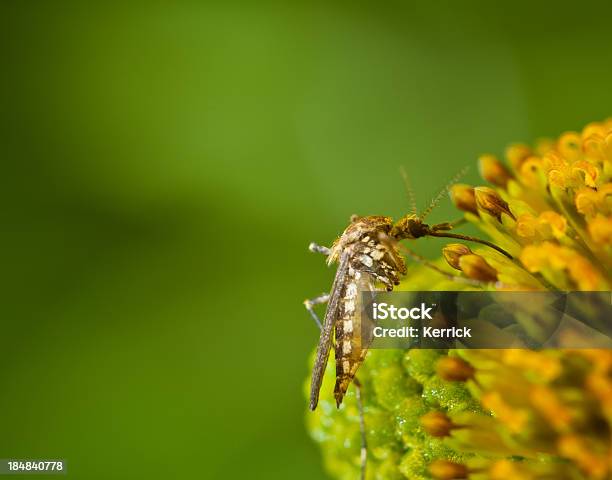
165	165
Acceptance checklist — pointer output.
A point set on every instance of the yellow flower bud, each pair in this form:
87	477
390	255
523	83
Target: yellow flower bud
569	145
454	369
453	251
464	198
516	154
446	470
493	171
437	424
489	200
477	268
533	172
505	469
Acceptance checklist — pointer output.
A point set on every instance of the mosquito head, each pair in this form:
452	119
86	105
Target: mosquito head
408	227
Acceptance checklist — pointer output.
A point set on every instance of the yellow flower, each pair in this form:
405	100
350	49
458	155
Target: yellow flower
499	414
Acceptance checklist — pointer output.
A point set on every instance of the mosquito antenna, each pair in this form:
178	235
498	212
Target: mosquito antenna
409	190
435	200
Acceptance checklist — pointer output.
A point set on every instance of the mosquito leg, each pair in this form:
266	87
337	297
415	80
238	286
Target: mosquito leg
310	304
362	430
313	247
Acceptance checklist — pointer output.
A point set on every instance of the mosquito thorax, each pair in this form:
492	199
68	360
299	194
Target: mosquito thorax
409	227
370	227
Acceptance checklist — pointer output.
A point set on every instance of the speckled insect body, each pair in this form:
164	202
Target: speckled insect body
365	260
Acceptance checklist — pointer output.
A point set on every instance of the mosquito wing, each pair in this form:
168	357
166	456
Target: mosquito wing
327	332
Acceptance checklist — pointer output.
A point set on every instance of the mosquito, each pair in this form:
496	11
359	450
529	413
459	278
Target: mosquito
364	260
368	254
368	257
